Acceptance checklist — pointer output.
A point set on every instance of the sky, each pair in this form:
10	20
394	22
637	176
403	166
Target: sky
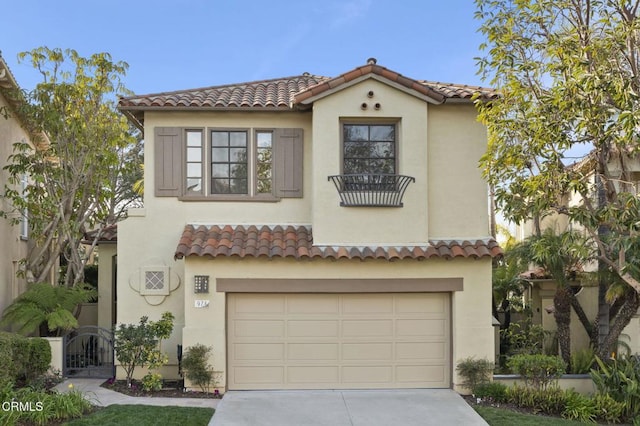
175	45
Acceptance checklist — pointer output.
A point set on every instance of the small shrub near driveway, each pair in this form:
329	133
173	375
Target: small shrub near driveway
475	372
197	368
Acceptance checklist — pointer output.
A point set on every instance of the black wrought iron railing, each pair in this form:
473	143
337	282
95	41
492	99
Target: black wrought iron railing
371	190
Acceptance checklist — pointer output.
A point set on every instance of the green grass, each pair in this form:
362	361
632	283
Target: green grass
143	415
506	417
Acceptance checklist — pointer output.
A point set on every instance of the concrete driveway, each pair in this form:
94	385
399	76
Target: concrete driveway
345	408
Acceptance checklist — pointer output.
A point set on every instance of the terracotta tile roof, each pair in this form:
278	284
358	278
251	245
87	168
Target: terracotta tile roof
286	93
297	242
109	234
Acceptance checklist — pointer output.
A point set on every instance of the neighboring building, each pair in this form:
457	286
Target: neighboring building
13	129
318	233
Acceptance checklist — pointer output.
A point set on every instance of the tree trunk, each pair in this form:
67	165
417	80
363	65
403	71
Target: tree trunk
562	315
628	310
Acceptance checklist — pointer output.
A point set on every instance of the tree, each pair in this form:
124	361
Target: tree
46	307
80	175
569	75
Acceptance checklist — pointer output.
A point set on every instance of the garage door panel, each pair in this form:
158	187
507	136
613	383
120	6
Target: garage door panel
367	374
420	350
367	328
260	375
256	328
310	374
421	303
339	341
435	374
321	304
367	304
312	328
260	304
312	351
258	351
420	327
367	351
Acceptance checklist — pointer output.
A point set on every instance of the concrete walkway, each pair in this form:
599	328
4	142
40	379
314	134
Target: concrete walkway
406	407
102	397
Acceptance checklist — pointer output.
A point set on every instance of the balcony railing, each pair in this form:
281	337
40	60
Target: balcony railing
371	190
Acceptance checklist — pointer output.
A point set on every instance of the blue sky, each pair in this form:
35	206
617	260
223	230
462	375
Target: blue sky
171	45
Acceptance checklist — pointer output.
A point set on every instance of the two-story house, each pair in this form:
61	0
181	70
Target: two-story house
317	232
13	129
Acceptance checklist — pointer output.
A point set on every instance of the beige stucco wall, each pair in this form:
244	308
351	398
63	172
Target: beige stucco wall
13	248
471	309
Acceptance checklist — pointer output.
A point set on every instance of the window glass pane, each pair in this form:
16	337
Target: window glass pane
194	185
238	138
219	186
219	139
382	150
264	186
355	166
194	154
220	154
238	186
238	155
357	149
194	170
238	171
194	138
264	140
220	170
356	133
383	133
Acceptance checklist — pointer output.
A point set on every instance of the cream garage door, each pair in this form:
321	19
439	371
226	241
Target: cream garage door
338	341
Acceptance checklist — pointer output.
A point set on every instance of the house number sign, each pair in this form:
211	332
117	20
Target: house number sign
201	303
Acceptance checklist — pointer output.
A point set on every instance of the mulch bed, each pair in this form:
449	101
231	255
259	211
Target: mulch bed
170	390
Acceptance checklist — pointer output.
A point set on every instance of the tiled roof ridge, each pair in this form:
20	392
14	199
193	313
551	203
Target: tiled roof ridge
228	85
296	241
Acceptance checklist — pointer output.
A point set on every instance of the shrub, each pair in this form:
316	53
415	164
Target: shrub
525	337
608	409
493	391
9	369
196	366
152	382
47	407
620	379
475	372
537	371
139	345
579	407
582	361
39	358
549	401
23	359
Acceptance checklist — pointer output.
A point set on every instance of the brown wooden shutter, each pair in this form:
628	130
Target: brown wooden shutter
168	161
288	156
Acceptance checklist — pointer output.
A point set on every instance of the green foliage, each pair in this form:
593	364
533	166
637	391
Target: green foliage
46	407
608	409
475	372
137	415
551	400
138	345
494	391
619	378
23	359
77	173
525	337
537	371
582	361
196	366
568	73
579	407
152	382
43	303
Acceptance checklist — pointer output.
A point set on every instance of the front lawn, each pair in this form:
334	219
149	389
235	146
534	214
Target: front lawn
143	415
506	417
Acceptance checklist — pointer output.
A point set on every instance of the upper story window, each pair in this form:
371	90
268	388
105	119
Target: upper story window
228	164
369	149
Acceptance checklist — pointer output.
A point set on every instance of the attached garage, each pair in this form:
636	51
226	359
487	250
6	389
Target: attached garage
338	340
